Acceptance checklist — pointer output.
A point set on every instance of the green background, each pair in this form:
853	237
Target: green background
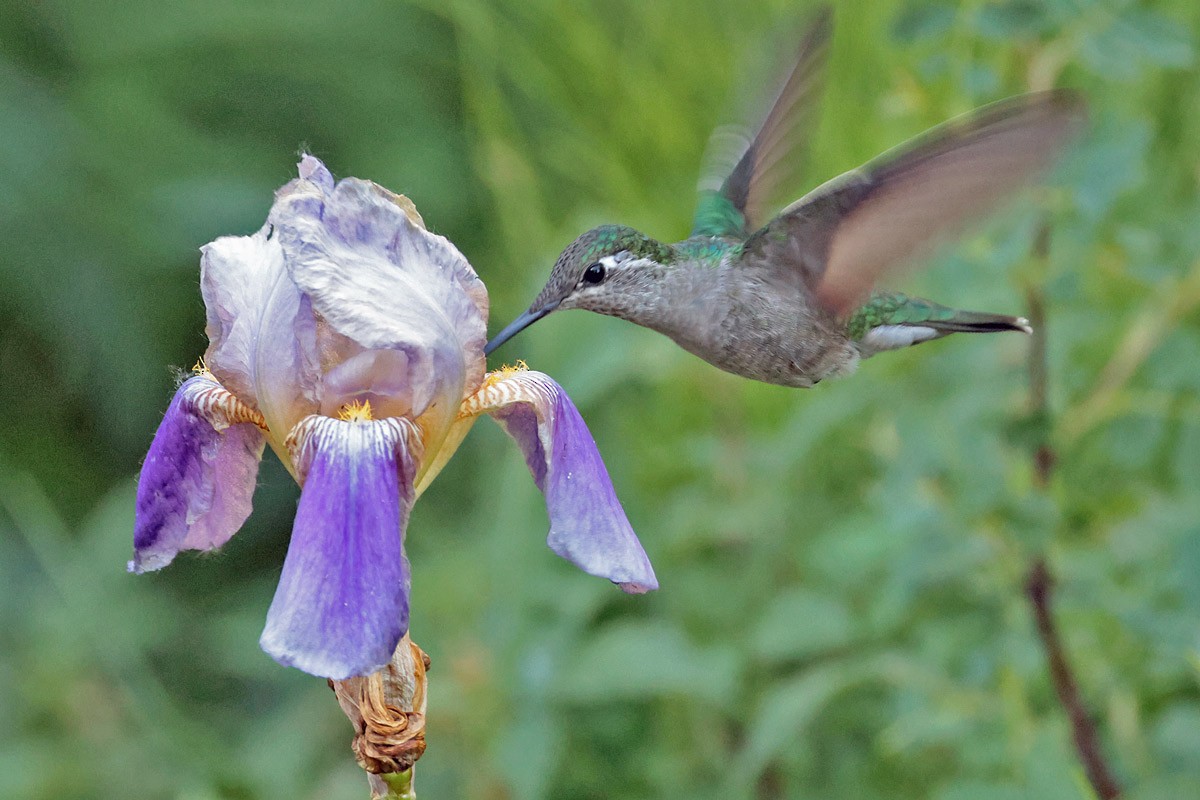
841	611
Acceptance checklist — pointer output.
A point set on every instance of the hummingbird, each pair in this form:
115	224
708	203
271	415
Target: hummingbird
791	300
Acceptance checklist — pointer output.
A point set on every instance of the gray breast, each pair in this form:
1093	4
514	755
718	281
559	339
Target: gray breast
762	328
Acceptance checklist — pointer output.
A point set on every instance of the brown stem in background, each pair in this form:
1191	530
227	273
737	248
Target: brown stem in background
1039	586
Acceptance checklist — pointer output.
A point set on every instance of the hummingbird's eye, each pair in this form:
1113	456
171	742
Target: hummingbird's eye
594	273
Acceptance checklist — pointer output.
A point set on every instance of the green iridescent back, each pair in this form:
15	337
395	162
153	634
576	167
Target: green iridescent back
706	250
716	215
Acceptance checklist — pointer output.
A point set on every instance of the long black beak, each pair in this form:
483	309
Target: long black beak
519	324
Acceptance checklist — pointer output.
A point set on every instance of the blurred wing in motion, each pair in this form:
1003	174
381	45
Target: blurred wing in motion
770	163
847	234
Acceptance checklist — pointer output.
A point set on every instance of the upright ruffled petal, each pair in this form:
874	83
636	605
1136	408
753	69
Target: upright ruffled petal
403	315
588	527
197	481
342	601
261	329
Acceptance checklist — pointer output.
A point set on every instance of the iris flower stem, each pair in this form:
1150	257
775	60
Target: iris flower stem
399	785
387	712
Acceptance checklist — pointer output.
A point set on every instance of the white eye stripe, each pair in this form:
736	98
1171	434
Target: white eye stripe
613	262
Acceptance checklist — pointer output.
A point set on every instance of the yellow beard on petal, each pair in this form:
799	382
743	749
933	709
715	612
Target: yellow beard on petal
356	412
507	371
494	392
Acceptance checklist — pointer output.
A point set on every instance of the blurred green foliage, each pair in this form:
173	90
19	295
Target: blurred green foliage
841	612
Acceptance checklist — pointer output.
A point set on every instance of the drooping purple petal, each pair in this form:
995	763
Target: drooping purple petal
342	601
197	481
380	283
588	527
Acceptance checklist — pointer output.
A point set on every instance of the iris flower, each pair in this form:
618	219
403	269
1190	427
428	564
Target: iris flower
350	340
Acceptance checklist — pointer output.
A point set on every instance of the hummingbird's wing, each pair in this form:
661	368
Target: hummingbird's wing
771	160
846	234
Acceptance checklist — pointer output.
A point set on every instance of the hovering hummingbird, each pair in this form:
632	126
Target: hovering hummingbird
789	300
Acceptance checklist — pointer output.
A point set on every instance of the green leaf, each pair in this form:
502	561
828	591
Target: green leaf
802	623
641	660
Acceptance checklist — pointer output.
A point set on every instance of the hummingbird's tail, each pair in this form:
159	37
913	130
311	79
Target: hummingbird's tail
891	320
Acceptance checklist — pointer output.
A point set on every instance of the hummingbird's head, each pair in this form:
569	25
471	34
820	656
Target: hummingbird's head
601	271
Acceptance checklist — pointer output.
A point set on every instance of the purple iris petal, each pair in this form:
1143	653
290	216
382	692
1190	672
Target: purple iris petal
196	484
588	527
342	601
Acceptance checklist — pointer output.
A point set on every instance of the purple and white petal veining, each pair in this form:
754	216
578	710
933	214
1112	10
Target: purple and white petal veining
342	601
381	282
261	330
588	526
197	481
